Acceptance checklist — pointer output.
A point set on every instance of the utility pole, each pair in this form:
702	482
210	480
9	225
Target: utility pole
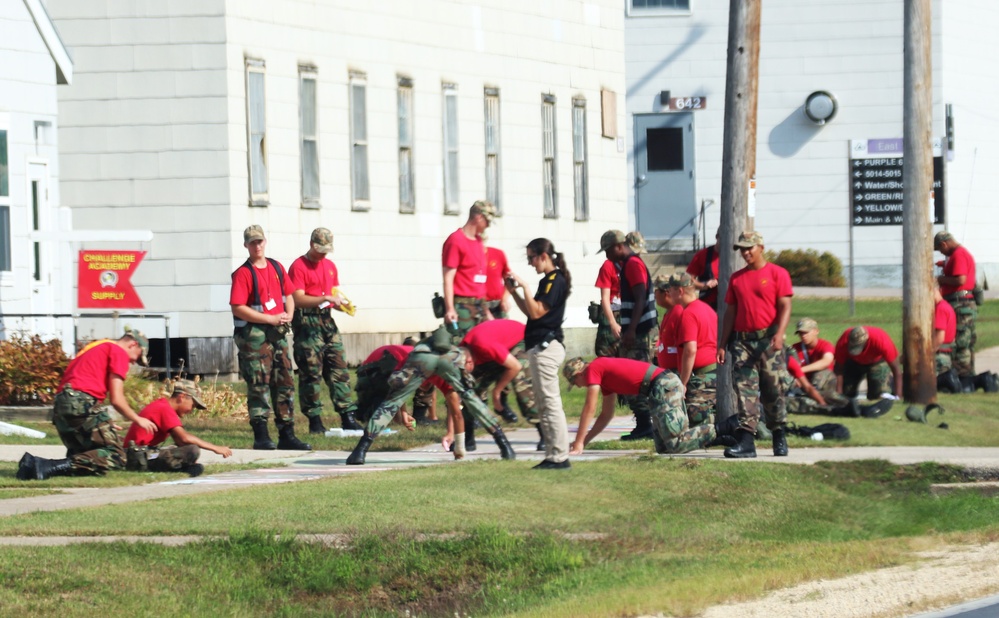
738	159
919	381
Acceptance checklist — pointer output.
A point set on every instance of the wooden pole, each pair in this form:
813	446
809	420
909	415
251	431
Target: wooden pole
738	159
919	381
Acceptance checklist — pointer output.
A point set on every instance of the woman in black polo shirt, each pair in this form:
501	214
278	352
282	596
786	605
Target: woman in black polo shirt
543	339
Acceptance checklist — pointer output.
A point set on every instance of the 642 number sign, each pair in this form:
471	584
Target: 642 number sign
680	104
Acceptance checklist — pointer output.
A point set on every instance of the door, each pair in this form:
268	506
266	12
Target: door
665	206
39	256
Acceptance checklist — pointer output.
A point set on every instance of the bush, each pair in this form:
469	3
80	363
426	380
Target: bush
220	399
808	268
30	370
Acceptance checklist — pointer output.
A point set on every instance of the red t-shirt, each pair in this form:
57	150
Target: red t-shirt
496	268
468	256
492	341
699	323
754	294
879	348
268	286
959	263
794	367
314	278
620	376
159	412
666	349
635	272
609	278
400	353
696	268
807	357
945	319
90	370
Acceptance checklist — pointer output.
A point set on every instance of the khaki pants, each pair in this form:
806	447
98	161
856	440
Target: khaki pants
545	364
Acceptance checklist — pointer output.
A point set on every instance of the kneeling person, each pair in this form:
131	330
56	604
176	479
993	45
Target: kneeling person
167	414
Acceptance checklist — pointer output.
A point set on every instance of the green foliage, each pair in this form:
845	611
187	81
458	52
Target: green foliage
30	370
222	400
809	268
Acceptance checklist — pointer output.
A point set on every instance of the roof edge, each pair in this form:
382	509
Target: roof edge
58	51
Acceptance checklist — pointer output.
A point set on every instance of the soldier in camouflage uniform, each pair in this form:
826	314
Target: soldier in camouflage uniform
697	339
434	356
464	266
318	348
957	284
85	427
868	352
752	341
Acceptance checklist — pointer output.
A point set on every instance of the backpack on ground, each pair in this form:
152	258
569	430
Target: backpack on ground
829	431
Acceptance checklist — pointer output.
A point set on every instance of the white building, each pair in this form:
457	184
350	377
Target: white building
196	118
852	50
33	66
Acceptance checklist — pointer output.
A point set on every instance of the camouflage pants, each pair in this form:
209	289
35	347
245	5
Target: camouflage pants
879	379
471	311
671	428
760	378
943	361
92	444
372	387
420	365
964	344
644	349
606	344
496	311
319	355
824	381
488	373
173	458
700	396
265	366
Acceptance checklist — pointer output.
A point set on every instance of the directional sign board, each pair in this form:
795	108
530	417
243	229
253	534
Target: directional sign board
876	182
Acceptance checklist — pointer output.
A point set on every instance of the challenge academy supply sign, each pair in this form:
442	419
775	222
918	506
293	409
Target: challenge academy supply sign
876	182
105	280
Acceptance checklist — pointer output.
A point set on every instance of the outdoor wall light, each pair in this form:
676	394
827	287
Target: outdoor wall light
820	107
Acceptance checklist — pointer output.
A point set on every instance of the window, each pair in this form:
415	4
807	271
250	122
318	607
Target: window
360	187
4	201
407	185
579	169
309	135
492	125
658	7
451	205
548	166
256	131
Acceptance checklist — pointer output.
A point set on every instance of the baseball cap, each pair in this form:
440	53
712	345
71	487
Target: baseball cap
486	209
661	282
191	389
636	241
254	232
572	368
941	238
143	343
857	341
681	280
806	325
322	240
610	239
749	239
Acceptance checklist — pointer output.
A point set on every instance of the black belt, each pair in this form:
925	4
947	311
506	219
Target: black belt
647	381
961	295
310	310
753	335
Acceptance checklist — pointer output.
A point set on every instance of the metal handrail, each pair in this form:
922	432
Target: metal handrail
697	220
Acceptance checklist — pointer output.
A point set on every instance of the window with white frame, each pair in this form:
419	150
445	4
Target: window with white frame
308	123
256	131
579	165
451	198
407	183
492	126
5	264
360	183
638	8
548	152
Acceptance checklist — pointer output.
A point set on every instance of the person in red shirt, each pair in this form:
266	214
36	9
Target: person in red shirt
944	333
318	348
703	268
957	284
868	352
611	377
758	309
464	267
167	413
608	338
697	346
666	346
262	309
93	447
497	298
815	355
803	397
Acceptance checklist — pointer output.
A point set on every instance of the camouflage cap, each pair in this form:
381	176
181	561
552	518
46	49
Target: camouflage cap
252	233
484	208
610	239
681	280
572	368
191	389
748	239
636	241
806	325
661	282
322	240
143	344
941	238
857	340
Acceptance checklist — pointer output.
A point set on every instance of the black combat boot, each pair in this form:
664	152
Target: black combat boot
542	446
361	450
420	415
745	448
261	439
193	470
469	430
32	468
968	384
780	442
504	411
948	382
316	425
287	440
643	427
987	381
725	432
349	422
506	451
879	408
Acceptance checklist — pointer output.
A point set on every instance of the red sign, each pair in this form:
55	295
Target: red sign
104	280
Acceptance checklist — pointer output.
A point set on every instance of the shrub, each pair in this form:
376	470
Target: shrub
220	399
808	268
30	370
